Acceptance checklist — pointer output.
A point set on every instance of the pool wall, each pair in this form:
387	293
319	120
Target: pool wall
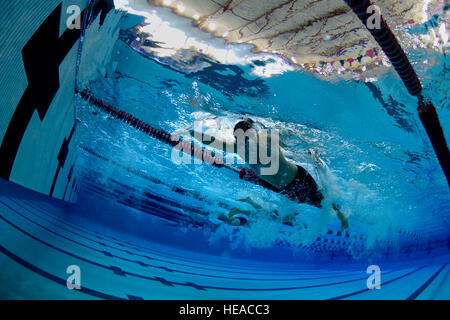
37	114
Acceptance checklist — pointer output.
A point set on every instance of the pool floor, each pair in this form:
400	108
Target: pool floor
41	237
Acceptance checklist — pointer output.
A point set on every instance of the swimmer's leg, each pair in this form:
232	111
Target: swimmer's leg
344	221
341	216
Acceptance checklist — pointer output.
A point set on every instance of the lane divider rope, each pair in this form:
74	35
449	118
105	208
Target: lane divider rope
166	138
427	112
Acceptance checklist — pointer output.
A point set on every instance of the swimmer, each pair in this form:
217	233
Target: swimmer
290	180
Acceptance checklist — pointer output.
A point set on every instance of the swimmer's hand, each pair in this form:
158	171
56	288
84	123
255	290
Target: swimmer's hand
233	220
341	216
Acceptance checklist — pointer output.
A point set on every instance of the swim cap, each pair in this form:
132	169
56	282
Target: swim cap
244	125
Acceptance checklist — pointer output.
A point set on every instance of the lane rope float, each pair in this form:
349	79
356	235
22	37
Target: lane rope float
427	112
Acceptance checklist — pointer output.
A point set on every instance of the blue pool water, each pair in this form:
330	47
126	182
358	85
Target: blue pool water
144	227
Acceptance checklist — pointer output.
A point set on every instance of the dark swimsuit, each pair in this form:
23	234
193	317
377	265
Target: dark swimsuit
302	189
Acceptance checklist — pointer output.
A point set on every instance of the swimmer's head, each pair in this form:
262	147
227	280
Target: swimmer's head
244	125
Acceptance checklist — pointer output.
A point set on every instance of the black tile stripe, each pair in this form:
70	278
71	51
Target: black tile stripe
54	278
69	178
90	232
73	188
137	248
52	188
115	248
71	225
155	266
173	283
42	56
111	268
62	156
384	283
153	252
148	206
426	284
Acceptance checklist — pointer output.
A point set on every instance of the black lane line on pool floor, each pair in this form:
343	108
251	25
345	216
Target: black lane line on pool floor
157	267
120	243
126	244
426	284
148	265
117	270
54	278
365	290
140	263
130	245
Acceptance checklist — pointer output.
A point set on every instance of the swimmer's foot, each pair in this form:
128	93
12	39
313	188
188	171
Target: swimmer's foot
289	220
341	216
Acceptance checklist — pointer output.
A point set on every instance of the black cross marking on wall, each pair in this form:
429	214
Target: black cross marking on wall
74	186
103	7
42	56
69	178
62	156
